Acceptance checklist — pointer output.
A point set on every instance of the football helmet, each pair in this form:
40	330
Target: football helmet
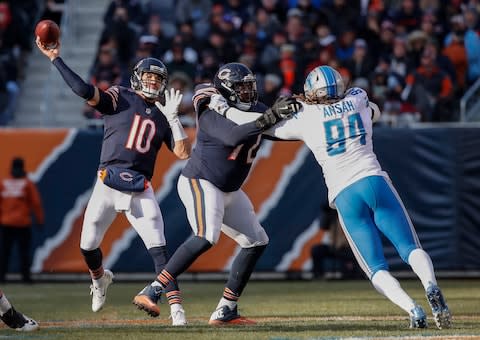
151	88
237	84
324	82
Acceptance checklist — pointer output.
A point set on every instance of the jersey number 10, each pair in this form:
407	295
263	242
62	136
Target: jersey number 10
141	134
336	142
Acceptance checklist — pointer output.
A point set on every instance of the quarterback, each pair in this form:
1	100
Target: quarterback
137	122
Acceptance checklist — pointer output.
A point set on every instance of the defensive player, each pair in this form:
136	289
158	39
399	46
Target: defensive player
337	127
210	186
13	318
137	122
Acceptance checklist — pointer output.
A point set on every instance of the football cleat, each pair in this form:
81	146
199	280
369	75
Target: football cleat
178	317
440	311
98	290
147	300
226	316
418	318
18	321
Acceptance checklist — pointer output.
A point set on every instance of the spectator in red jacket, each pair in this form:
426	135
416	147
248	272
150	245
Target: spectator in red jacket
430	89
19	198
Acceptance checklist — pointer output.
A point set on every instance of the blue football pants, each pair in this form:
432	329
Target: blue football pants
367	208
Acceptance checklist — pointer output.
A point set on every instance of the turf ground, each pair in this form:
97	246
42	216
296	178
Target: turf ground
283	309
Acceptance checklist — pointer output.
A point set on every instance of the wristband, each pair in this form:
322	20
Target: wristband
178	132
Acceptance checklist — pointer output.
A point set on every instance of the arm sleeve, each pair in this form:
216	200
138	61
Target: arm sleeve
225	130
78	86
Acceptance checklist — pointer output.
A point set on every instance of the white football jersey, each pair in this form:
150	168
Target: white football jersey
340	137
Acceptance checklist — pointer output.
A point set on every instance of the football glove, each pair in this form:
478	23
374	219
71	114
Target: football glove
283	108
201	97
173	98
218	104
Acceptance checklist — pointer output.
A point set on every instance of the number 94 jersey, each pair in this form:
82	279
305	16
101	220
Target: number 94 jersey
340	137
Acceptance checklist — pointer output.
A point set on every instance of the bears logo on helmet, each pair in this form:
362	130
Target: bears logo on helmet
237	84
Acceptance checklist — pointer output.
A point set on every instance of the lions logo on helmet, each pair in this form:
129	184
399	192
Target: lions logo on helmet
149	65
237	84
324	82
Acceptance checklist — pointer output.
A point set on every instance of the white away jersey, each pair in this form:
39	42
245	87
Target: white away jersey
340	137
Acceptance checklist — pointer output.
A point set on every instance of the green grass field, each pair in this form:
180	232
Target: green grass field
284	310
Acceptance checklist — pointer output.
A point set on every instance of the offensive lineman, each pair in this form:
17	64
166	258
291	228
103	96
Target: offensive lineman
210	187
137	122
337	127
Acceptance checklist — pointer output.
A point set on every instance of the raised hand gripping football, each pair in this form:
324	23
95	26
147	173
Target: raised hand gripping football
173	98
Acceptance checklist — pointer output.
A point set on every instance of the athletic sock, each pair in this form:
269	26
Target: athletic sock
421	264
388	286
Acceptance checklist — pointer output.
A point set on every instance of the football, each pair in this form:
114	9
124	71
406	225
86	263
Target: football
48	32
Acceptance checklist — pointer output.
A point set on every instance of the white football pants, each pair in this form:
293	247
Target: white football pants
141	209
210	210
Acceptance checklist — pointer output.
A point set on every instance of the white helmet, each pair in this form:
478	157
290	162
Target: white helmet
324	82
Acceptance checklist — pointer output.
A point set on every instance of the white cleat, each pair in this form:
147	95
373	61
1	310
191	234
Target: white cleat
98	290
29	326
18	321
178	317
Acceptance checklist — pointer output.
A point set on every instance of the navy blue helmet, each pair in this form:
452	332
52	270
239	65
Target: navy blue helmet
148	88
237	84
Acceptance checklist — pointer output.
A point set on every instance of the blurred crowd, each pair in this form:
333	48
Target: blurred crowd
17	23
415	58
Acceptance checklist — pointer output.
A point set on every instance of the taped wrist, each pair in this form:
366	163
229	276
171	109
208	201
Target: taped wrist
78	86
178	132
266	120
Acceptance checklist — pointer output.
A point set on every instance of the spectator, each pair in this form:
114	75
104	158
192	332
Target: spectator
134	12
196	12
106	73
408	17
178	63
288	68
154	32
360	64
457	54
207	68
54	10
267	24
163	11
271	53
123	33
430	90
400	62
19	198
472	46
272	83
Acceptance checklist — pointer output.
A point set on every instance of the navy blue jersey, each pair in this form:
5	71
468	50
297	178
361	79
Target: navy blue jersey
134	130
224	151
